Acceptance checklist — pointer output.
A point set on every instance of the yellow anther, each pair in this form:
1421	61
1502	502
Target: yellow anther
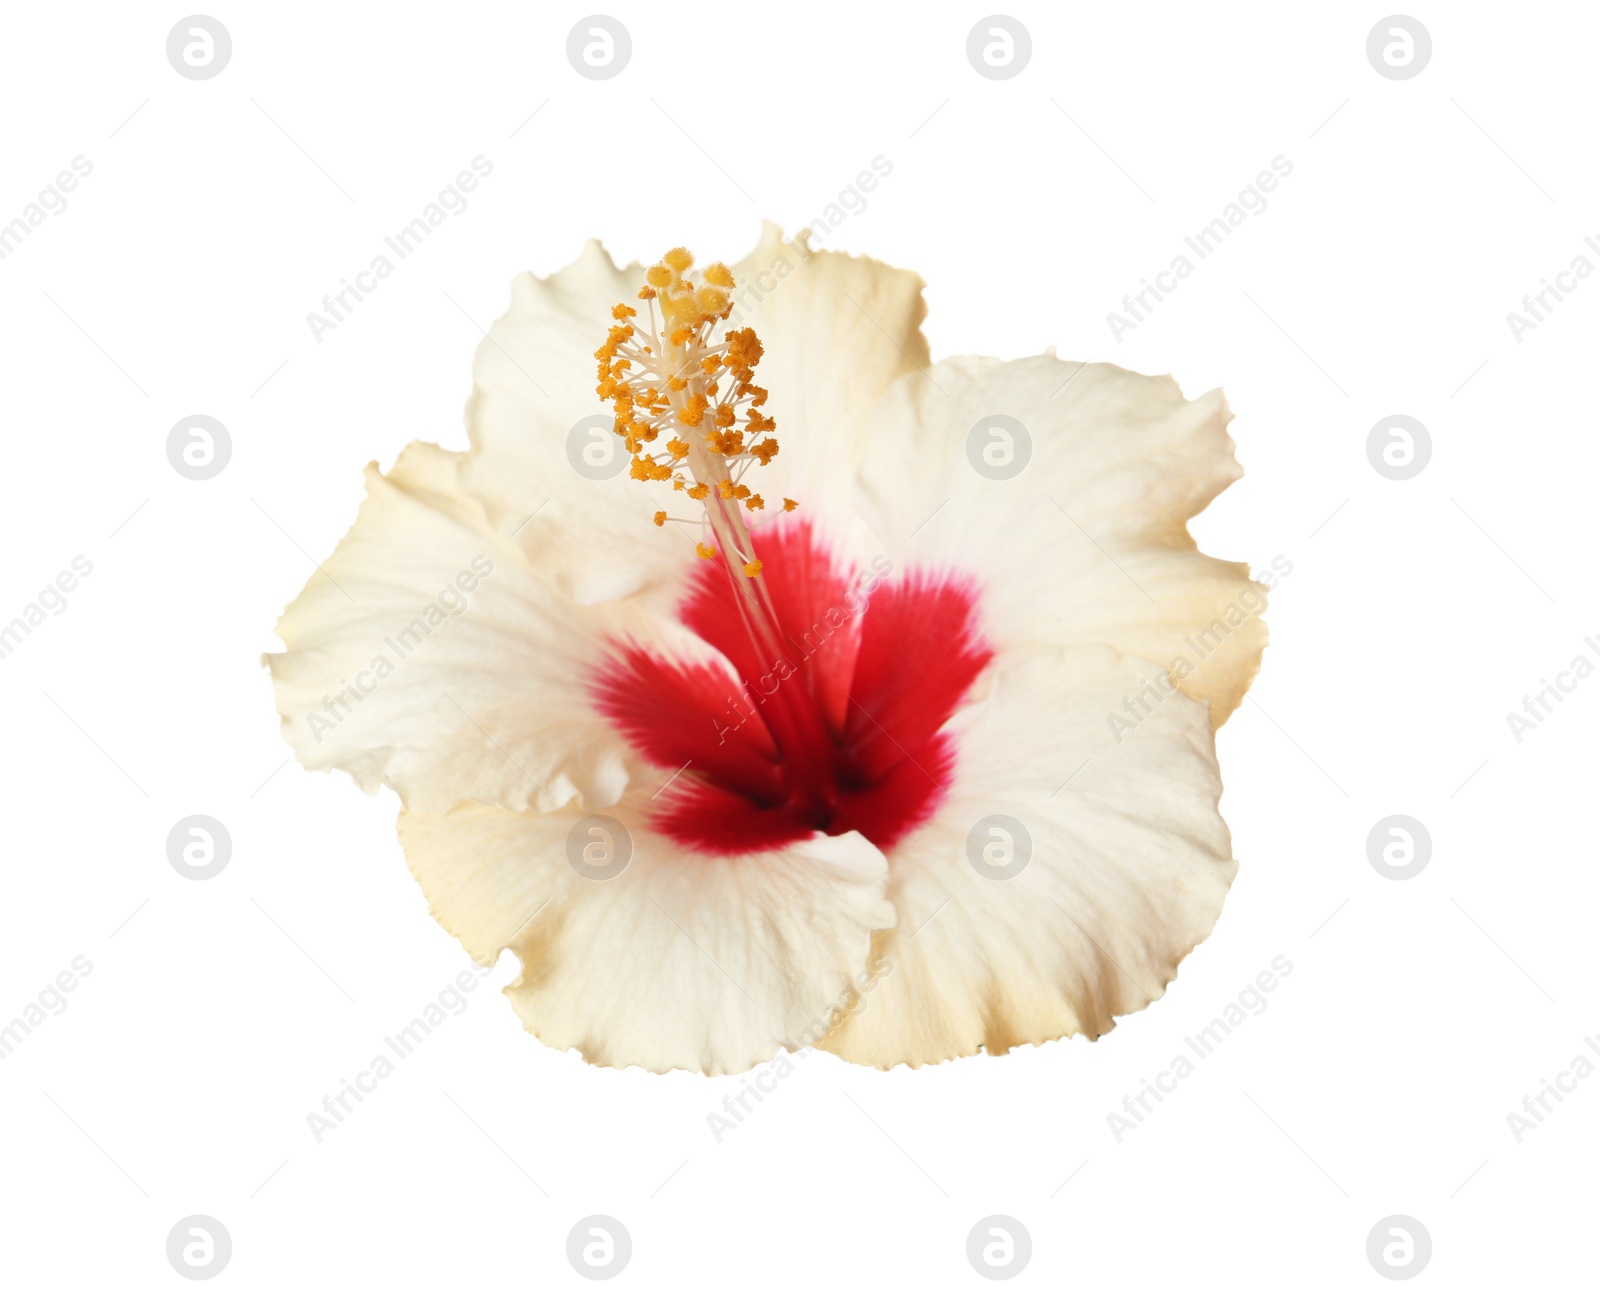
644	468
694	409
665	374
727	444
789	505
744	350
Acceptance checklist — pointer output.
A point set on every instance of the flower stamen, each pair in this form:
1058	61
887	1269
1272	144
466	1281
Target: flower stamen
675	382
671	379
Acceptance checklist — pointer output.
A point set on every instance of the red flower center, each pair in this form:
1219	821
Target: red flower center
837	731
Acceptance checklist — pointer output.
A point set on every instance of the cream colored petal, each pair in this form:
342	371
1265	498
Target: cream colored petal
839	331
427	655
1128	868
1088	543
680	961
533	382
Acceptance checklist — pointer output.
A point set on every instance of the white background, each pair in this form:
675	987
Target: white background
1418	613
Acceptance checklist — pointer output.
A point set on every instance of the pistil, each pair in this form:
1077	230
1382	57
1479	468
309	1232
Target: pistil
669	378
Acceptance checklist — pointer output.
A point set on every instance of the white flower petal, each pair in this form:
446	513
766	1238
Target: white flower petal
839	332
533	382
680	961
398	673
1088	543
1129	866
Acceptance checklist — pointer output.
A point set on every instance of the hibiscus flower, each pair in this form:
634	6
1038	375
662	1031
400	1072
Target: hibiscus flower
897	740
